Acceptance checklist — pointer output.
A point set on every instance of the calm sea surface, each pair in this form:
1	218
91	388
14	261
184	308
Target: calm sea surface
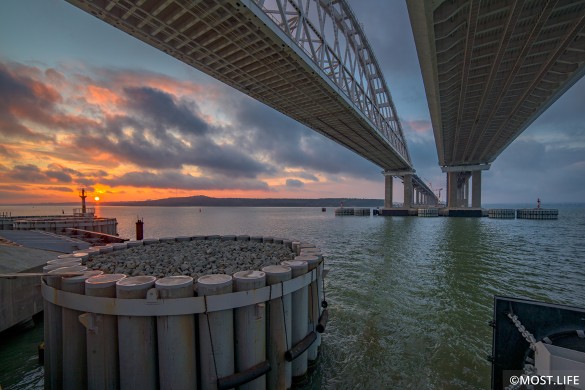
409	297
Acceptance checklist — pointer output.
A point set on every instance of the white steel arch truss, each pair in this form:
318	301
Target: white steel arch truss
329	33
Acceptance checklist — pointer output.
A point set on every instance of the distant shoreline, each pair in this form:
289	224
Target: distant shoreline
205	201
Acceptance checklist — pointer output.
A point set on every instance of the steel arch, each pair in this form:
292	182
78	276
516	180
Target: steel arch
329	33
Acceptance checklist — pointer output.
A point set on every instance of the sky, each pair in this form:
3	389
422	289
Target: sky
84	105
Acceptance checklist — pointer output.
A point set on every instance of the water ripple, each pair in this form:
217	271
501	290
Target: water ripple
409	297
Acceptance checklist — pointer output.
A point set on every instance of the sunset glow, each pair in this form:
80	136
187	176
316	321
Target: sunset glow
84	105
135	141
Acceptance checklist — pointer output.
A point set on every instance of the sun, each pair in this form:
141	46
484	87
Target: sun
96	198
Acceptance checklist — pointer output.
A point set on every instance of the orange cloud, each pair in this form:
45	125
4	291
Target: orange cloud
62	130
102	97
419	126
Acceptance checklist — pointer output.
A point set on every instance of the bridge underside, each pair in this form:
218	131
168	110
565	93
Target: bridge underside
236	43
491	67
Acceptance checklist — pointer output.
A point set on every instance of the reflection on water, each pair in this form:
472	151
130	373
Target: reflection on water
409	297
19	364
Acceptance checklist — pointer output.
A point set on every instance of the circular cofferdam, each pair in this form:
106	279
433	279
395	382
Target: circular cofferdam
256	303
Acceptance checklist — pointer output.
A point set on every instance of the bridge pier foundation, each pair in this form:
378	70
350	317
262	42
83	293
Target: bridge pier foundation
458	190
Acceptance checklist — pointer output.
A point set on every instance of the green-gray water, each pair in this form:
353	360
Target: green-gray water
409	297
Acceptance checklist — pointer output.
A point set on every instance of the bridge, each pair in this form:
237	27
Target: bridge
490	68
309	60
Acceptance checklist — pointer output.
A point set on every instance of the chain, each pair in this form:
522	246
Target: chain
523	331
529	369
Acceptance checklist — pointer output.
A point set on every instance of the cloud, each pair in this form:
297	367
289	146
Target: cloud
288	144
12	188
60	189
161	131
177	180
164	111
61	177
523	155
568	108
529	169
294	183
27	99
417	132
8	152
307	176
33	174
29	173
21	97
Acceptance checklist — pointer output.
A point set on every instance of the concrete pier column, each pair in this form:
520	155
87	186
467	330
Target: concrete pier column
460	192
458	186
476	189
451	189
466	191
407	179
388	184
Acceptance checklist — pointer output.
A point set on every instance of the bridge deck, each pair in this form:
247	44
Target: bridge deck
492	67
238	44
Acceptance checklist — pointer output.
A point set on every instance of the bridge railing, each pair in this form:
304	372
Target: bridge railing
328	32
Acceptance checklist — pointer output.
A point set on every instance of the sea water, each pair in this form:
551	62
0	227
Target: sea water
409	298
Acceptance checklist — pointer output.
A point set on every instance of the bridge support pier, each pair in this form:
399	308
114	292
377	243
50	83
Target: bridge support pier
416	193
458	190
388	187
408	191
476	189
389	208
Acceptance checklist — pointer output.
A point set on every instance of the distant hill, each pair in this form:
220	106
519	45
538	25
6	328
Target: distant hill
205	201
